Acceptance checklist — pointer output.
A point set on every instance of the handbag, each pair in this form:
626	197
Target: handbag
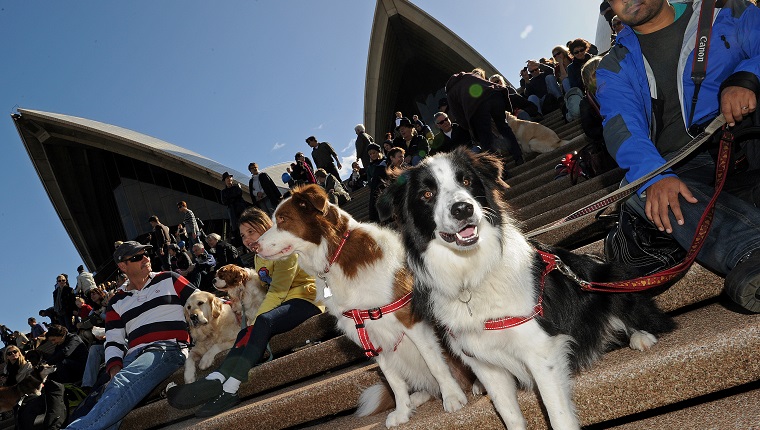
640	245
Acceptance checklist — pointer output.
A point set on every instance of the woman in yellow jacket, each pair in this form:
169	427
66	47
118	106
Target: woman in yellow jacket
290	300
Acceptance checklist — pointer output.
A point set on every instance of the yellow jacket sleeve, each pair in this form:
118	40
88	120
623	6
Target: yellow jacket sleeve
285	281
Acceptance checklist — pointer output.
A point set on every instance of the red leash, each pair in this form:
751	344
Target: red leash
703	228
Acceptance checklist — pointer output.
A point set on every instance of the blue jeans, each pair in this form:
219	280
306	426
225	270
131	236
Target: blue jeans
735	230
143	370
95	357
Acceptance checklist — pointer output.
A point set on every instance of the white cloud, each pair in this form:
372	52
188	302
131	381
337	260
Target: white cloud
277	146
345	162
526	32
320	127
351	145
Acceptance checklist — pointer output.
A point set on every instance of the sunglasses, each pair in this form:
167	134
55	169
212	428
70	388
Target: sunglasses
533	71
14	352
579	52
442	121
60	280
135	258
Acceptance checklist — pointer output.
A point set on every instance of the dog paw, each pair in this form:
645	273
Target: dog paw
642	340
205	362
397	417
454	401
478	389
419	397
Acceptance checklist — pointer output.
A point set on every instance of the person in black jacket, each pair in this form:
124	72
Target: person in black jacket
63	301
160	238
475	102
264	193
232	197
223	252
69	356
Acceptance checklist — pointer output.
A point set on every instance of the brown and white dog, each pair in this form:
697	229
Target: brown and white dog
213	327
31	384
361	267
534	137
244	288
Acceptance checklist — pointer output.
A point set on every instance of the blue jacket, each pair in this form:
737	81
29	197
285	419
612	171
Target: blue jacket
625	94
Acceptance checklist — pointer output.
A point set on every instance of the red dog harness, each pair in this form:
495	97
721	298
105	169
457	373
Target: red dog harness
508	322
359	316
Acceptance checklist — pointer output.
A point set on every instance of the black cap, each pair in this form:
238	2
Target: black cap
128	249
374	146
226	175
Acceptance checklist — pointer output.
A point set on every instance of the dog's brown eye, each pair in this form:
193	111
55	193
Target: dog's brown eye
466	182
200	303
427	195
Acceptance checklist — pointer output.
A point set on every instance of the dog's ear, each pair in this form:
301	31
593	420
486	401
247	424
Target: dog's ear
311	196
216	307
489	169
391	200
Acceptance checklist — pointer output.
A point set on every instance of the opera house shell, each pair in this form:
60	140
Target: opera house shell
104	181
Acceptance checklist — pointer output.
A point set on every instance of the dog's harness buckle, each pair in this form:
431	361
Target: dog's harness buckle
375	313
359	316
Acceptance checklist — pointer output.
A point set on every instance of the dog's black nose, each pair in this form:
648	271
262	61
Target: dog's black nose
194	317
461	210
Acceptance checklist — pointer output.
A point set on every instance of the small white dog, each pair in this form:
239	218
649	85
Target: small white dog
244	288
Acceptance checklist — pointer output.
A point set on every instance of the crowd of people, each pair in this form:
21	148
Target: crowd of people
119	329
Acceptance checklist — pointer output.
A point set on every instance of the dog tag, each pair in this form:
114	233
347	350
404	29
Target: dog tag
326	292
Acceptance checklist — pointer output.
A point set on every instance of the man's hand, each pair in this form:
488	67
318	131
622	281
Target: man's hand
663	194
340	166
736	103
114	370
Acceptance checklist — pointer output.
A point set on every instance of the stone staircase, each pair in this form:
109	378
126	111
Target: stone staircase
706	374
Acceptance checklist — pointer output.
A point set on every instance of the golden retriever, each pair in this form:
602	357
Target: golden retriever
245	289
534	137
213	327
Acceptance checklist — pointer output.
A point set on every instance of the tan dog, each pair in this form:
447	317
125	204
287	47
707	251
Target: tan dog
31	384
534	137
244	288
213	327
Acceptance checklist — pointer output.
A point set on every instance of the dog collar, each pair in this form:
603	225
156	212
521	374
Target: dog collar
327	292
337	251
359	316
508	322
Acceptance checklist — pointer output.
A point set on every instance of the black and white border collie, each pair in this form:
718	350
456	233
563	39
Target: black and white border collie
472	264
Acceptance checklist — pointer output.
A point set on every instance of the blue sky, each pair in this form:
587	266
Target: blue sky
236	81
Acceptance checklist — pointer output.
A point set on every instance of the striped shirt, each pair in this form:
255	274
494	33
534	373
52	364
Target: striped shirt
137	318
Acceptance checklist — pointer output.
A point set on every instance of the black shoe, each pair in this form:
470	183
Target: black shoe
743	283
220	404
193	394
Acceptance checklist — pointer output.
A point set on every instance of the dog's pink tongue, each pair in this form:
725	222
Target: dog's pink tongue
467	231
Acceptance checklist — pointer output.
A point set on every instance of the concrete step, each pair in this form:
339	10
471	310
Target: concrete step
737	411
280	372
685	364
300	403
